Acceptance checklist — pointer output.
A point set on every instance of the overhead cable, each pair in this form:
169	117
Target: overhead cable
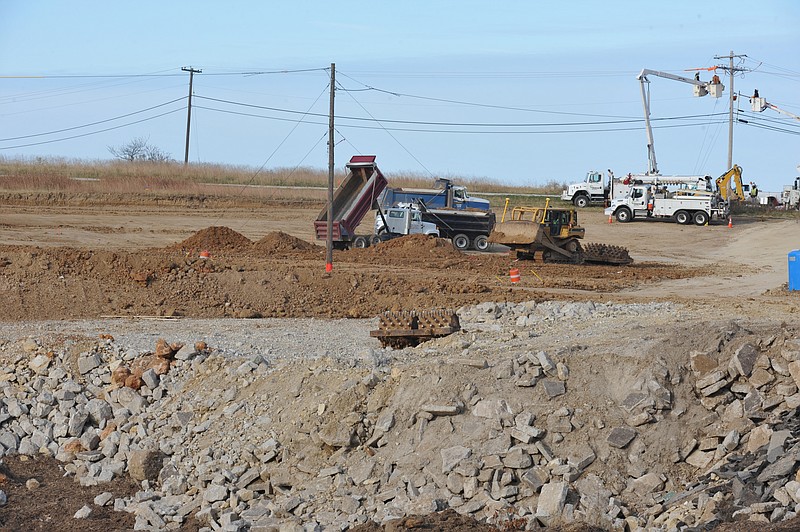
94	123
93	132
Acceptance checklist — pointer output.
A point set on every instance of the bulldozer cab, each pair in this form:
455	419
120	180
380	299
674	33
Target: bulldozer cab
558	220
557	223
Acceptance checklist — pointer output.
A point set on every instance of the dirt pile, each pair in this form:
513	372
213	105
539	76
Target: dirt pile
419	243
61	283
282	243
214	239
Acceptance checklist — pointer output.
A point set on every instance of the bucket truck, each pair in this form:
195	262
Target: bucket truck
701	88
790	197
759	104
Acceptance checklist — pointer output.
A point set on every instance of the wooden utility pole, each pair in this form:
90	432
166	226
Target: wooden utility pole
731	70
191	72
329	239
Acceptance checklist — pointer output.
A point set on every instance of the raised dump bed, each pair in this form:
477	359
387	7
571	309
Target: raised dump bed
352	200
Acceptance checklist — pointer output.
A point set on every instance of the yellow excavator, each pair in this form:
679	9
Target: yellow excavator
731	181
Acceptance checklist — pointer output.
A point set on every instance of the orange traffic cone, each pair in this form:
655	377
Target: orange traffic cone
730	221
610	219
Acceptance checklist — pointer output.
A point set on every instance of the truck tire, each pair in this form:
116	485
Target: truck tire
700	218
624	215
360	242
683	217
374	240
581	201
481	243
461	242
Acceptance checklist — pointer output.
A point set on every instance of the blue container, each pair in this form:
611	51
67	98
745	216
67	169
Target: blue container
794	270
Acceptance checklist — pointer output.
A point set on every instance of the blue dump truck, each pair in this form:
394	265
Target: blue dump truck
467	221
446	195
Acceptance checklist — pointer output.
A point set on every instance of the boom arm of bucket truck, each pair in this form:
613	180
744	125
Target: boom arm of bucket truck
759	104
701	88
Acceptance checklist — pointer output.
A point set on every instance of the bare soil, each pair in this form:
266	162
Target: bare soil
60	260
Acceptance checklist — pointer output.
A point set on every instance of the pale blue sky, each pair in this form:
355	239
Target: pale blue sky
483	68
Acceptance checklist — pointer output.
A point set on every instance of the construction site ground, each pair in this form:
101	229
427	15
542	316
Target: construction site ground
70	261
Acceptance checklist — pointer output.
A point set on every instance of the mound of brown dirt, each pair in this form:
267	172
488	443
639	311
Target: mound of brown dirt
421	244
215	238
281	242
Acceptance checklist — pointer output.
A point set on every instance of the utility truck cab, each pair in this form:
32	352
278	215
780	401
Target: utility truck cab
593	189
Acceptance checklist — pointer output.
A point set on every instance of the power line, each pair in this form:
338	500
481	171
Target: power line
93	123
355	126
393	137
458	124
93	132
161	75
768	127
474	104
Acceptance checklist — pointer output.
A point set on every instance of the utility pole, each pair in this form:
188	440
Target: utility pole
731	70
329	239
191	72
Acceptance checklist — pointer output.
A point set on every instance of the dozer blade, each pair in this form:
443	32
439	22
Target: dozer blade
515	232
410	327
605	254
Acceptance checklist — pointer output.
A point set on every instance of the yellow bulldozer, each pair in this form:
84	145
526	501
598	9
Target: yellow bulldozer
552	235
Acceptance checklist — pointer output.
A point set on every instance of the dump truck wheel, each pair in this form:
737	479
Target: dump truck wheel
481	243
683	217
360	242
700	218
624	215
374	240
581	201
461	242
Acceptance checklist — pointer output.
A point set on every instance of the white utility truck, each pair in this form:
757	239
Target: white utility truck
600	189
594	189
683	207
790	197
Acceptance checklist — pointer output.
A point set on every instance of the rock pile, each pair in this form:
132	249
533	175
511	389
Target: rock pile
693	428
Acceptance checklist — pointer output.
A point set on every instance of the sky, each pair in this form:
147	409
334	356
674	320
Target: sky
521	92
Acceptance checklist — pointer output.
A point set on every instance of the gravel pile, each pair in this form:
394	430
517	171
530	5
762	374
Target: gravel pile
534	413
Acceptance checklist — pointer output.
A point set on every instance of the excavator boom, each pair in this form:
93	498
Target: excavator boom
731	181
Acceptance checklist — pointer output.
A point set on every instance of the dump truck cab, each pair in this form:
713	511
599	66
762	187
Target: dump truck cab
404	220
